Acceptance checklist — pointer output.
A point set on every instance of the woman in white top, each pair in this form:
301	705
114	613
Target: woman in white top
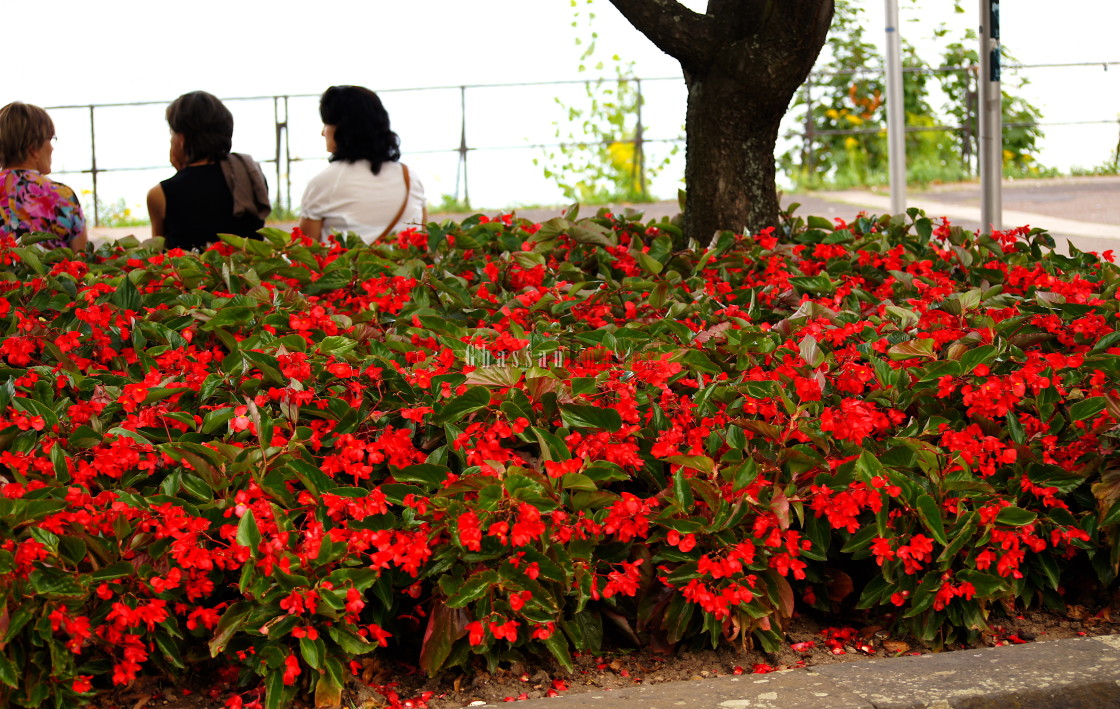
366	189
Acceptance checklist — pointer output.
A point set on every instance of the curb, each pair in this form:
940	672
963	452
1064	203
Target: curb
1077	673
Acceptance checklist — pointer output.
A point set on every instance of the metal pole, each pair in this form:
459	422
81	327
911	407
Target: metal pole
287	160
969	126
990	112
807	147
639	145
93	169
276	124
463	149
896	113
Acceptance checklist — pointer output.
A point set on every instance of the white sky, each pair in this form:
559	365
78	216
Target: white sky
81	52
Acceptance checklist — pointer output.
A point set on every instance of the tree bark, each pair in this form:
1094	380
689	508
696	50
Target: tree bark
743	60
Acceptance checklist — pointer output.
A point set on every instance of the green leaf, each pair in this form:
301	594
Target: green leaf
194	486
115	571
860	540
1015	428
445	626
1087	408
578	481
232	621
1112	516
817	285
230	316
9	674
649	263
936	370
126	297
473	588
424	473
678	616
56	583
682	491
696	462
328	689
472	400
557	644
965	530
987	585
930	512
811	351
312	651
911	348
973	358
581	416
350	643
248	533
127	433
274	690
1015	516
336	345
745	475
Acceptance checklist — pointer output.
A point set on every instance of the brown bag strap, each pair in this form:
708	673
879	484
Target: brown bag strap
407	193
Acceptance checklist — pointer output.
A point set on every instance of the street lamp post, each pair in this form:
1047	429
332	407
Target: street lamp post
896	113
991	118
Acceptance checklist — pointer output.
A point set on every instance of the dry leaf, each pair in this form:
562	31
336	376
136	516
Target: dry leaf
895	646
840	585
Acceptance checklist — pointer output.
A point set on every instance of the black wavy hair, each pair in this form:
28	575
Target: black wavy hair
361	126
205	124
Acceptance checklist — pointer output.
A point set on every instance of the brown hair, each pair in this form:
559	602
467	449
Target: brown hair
205	124
23	128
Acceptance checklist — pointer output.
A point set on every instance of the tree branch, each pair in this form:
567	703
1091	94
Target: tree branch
679	32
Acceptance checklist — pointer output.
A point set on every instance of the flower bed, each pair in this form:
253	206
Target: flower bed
500	437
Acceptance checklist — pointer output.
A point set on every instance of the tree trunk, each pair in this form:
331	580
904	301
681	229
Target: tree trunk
743	60
729	164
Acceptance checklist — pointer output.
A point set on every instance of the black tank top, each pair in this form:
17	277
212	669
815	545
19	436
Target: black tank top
199	207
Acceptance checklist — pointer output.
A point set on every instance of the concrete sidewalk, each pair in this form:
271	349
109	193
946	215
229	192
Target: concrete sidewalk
1078	673
1082	210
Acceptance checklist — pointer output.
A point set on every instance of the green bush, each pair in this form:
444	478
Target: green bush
480	440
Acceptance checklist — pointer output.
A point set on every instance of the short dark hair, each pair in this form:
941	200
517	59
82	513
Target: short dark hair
361	126
23	128
205	124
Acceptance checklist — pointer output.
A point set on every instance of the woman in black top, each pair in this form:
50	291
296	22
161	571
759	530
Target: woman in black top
213	191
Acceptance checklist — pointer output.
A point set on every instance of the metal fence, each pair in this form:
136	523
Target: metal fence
659	121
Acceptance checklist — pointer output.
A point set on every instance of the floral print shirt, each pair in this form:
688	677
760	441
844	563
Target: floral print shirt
32	202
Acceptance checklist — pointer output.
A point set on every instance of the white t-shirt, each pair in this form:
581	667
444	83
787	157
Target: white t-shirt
349	197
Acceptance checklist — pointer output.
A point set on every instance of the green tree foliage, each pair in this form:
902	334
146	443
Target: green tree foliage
842	113
599	158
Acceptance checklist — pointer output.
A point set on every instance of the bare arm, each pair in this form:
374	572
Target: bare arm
78	243
312	228
157	209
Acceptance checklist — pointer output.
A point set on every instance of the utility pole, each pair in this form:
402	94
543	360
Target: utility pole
896	112
990	115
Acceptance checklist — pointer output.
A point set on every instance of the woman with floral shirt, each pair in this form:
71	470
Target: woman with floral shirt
30	202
